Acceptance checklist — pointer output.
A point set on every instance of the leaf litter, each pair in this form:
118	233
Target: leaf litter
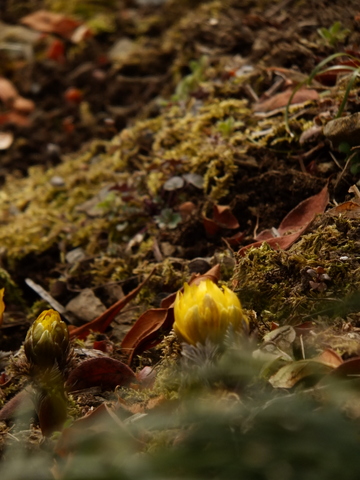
182	167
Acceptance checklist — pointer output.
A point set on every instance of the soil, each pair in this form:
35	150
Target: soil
130	173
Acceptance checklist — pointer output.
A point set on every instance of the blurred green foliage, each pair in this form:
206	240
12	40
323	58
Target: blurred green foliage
225	427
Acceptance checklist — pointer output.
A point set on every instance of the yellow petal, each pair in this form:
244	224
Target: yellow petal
205	311
2	304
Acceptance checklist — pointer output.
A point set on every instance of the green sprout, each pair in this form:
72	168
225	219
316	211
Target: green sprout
352	157
191	82
168	219
226	127
333	35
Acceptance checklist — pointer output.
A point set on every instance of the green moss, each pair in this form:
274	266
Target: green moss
279	282
204	134
12	292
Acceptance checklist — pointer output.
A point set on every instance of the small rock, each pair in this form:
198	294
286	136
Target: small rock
167	249
121	50
114	292
343	130
6	140
75	255
91	207
312	134
85	307
199	265
57	181
174	183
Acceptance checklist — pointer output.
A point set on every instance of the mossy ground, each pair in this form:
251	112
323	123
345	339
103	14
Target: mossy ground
112	199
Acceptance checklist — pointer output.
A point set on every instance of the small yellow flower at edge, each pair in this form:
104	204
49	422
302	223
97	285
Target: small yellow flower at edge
2	304
205	311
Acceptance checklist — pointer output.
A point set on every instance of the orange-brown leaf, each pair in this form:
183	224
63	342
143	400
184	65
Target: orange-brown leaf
104	372
305	212
294	224
143	333
223	216
101	323
281	99
51	22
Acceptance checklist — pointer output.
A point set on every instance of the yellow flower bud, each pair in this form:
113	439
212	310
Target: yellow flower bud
205	311
47	341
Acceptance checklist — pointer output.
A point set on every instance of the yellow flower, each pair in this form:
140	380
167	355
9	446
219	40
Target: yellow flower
2	304
205	311
47	341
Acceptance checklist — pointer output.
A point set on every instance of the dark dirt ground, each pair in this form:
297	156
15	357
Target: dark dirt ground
92	190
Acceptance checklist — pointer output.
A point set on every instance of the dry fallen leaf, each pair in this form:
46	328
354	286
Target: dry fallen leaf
348	209
19	404
221	218
101	323
97	421
281	99
23	105
292	373
330	358
8	91
14	118
294	224
348	368
50	22
105	372
304	212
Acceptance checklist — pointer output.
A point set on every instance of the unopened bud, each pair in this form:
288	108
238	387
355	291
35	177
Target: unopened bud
47	341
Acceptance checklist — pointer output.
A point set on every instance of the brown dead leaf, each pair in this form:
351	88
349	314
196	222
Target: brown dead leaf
8	91
210	226
235	239
51	22
221	218
144	333
23	105
348	209
294	224
96	421
348	368
14	118
330	358
104	372
304	212
277	243
101	323
281	99
20	403
329	77
289	375
224	218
